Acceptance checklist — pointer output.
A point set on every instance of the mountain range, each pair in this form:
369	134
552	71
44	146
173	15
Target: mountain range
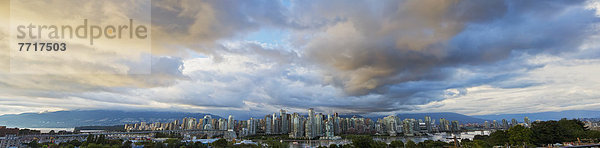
446	115
557	115
76	118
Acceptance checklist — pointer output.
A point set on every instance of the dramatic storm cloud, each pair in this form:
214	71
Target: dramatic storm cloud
251	58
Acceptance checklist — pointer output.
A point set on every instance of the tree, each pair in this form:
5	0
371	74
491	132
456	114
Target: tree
431	143
378	144
519	135
362	141
100	140
481	137
333	146
94	145
573	129
397	144
548	132
199	145
90	138
498	138
126	144
410	144
33	144
159	145
480	144
75	143
174	143
276	144
220	143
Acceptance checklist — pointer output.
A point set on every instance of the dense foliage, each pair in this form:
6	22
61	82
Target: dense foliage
539	134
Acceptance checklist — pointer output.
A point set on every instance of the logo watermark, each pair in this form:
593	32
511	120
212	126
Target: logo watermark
80	37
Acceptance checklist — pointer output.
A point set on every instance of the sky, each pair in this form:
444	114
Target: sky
254	57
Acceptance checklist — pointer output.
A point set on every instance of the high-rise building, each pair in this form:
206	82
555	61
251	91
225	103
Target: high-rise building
444	125
505	124
230	123
297	129
513	122
329	128
486	125
251	126
185	123
208	127
455	126
275	124
428	124
408	127
269	125
206	121
191	123
527	121
284	122
495	124
176	124
336	123
319	125
222	124
392	125
310	128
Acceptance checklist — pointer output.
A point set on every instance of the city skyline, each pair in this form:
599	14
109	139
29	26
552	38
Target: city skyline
249	58
326	126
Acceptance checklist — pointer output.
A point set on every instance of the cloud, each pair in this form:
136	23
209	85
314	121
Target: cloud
198	25
376	46
568	85
466	56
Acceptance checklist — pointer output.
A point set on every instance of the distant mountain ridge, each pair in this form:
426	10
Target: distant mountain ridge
446	115
569	114
76	118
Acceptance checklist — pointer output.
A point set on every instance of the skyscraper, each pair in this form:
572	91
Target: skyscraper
455	126
392	124
329	128
513	122
486	125
268	125
444	125
336	123
319	125
206	121
310	129
251	126
222	124
230	123
184	125
408	127
276	123
284	122
428	124
297	129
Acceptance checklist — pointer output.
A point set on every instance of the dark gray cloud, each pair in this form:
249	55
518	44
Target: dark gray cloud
375	46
